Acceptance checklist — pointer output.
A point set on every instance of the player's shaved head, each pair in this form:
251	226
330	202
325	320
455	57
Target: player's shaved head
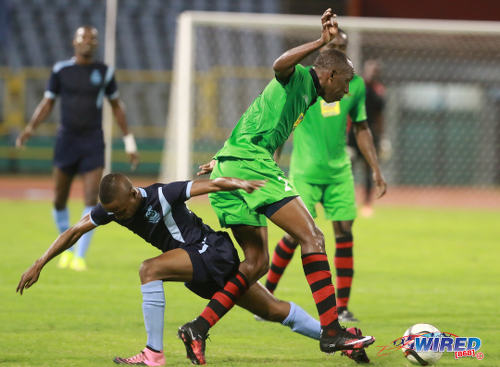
80	31
333	60
85	42
112	186
334	71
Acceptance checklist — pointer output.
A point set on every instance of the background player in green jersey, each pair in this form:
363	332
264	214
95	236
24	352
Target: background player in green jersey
321	172
248	154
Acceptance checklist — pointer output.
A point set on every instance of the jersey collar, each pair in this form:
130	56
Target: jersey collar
315	80
143	192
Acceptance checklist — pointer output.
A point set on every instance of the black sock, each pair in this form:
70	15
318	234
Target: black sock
201	325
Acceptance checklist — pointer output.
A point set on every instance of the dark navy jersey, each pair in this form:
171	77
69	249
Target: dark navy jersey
82	89
162	219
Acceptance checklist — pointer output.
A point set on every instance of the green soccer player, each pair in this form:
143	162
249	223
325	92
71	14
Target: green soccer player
321	172
248	154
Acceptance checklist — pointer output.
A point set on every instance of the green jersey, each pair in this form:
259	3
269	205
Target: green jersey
272	116
319	143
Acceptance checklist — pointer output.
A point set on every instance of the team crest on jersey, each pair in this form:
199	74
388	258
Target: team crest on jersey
152	215
95	77
299	120
330	109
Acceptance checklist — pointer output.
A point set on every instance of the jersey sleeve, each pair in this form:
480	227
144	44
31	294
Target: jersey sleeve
99	216
111	89
358	110
178	191
298	75
53	86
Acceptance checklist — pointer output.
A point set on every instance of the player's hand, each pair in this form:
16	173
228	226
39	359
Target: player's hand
23	137
29	278
380	184
134	160
329	25
251	186
206	168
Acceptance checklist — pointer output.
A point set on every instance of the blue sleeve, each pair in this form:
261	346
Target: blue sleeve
53	86
111	89
99	216
178	191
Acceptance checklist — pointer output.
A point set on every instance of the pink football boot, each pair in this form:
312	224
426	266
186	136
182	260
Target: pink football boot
145	358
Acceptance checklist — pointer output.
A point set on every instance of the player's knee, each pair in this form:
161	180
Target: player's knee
148	271
291	240
315	242
263	268
343	229
256	267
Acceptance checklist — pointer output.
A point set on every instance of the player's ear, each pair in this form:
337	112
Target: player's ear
134	192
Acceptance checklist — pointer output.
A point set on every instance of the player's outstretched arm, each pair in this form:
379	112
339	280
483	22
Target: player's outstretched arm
41	112
201	187
364	139
63	242
285	64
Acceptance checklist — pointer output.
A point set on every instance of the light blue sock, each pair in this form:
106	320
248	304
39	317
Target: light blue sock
84	241
301	322
61	217
153	308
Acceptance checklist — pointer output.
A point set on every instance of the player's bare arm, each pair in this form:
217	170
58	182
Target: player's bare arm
285	64
41	112
121	119
201	187
364	139
62	243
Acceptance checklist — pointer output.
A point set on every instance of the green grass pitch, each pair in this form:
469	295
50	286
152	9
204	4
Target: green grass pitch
412	265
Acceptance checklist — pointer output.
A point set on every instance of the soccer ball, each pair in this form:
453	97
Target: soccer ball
420	358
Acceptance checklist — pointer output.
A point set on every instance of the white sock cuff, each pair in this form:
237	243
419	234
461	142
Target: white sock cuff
154	286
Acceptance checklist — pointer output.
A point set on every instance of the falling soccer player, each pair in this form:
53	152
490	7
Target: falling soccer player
192	253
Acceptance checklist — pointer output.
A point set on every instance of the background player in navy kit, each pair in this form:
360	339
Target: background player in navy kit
81	83
193	253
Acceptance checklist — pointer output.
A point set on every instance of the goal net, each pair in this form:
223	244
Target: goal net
442	81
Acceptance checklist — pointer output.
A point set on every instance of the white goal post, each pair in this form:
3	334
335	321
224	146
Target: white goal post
177	163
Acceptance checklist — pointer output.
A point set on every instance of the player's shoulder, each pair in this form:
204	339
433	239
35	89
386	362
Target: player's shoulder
302	68
357	80
304	71
148	191
60	65
357	84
